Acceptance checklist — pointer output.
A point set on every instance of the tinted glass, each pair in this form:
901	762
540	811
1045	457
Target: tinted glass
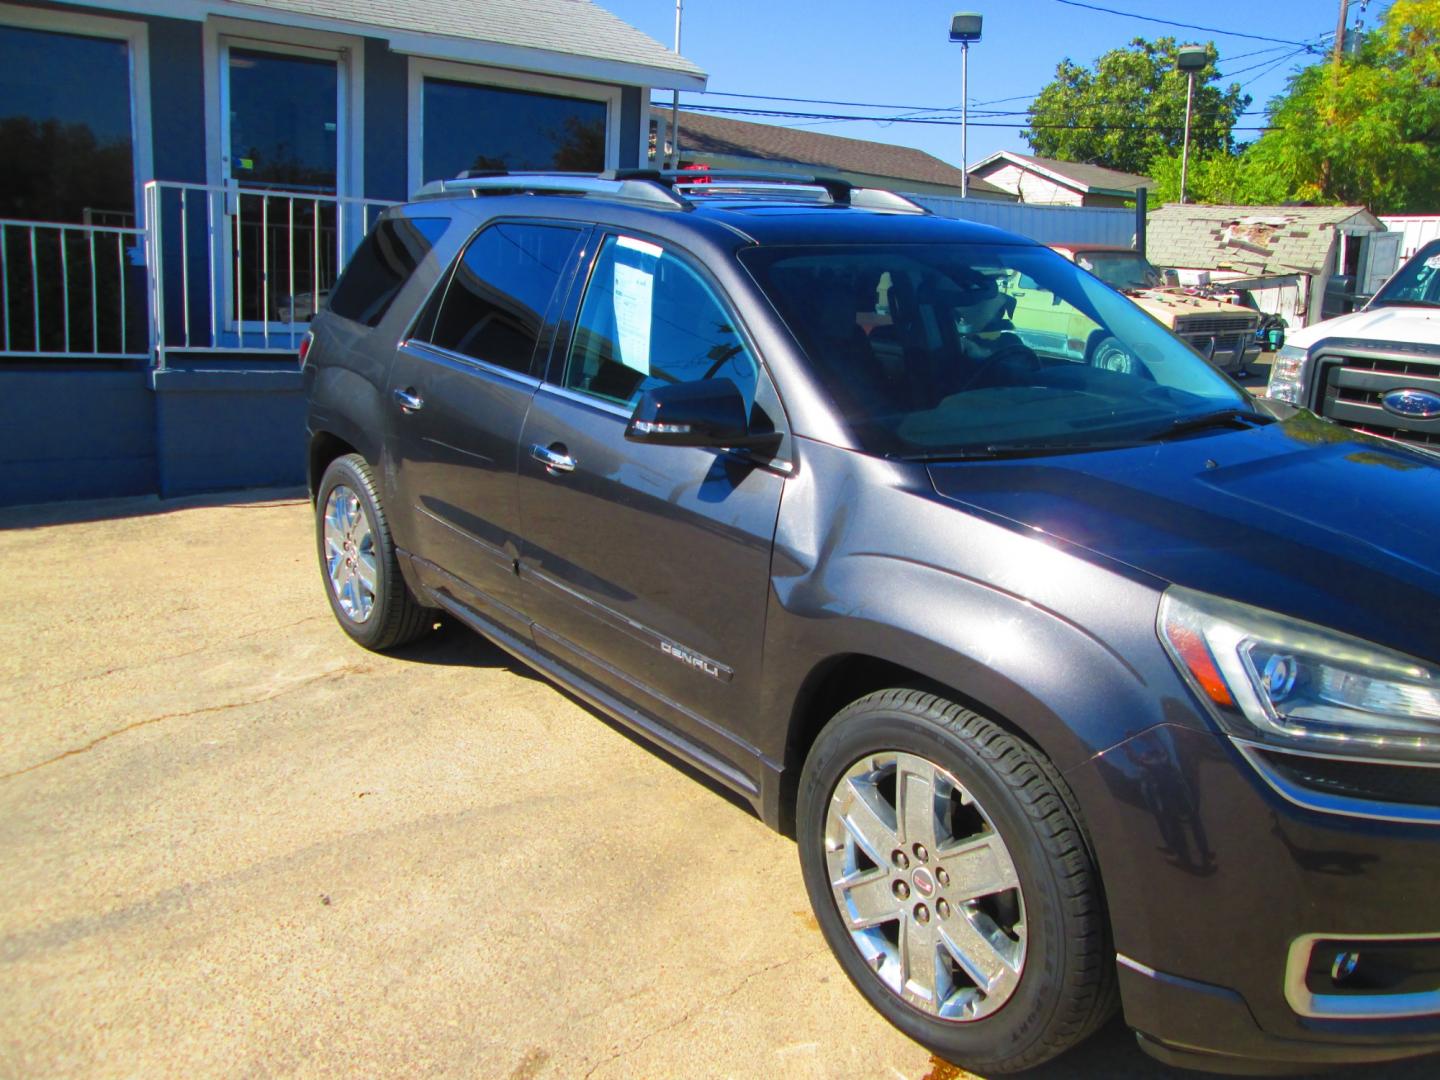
65	128
495	304
1120	269
943	348
381	266
283	120
649	320
1417	283
487	127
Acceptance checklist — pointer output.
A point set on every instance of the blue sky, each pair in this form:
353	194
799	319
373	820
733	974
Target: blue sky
898	53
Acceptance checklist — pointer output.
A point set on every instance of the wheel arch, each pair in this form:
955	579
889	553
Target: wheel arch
325	447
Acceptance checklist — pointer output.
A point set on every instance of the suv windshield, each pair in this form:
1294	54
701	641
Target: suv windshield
1121	269
935	350
1415	284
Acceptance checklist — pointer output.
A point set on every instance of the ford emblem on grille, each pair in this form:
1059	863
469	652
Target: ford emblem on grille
1412	404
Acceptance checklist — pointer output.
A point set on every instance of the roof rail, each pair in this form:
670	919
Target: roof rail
634	188
672	189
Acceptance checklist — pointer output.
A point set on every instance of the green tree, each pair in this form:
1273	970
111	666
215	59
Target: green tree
1130	107
1368	130
1221	177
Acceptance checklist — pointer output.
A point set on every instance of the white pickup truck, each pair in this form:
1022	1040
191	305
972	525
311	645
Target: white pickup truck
1378	369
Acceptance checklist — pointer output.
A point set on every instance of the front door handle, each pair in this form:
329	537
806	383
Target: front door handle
554	457
409	400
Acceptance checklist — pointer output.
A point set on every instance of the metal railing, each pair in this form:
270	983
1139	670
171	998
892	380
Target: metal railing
241	270
72	291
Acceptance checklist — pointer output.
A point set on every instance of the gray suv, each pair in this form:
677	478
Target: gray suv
1078	684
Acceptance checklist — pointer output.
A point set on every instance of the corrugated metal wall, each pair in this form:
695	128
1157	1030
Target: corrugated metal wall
1046	224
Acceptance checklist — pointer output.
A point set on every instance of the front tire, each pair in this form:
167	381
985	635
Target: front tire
362	576
950	876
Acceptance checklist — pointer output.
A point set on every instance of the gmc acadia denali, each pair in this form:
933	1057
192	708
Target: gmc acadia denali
1079	684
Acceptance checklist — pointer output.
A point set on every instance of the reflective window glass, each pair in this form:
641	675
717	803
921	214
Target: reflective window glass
284	113
648	320
65	134
467	126
382	264
495	304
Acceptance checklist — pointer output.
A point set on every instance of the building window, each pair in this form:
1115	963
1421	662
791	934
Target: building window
65	128
469	126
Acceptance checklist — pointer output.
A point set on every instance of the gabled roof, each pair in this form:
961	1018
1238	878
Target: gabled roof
1087	179
704	133
1250	239
570	28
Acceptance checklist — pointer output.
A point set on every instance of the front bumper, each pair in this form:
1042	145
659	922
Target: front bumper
1212	879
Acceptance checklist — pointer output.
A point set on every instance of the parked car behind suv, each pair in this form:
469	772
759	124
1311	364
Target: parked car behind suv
1075	683
1377	369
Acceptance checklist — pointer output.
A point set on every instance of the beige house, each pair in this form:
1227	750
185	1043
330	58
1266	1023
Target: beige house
1047	182
723	143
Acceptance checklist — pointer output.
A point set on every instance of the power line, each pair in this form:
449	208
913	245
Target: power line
1183	25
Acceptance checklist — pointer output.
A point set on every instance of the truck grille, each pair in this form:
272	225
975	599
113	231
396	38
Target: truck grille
1225	327
1352	387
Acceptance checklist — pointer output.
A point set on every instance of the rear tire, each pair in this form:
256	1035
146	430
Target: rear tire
363	583
950	875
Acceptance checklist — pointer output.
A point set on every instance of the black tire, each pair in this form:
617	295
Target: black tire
394	617
1066	984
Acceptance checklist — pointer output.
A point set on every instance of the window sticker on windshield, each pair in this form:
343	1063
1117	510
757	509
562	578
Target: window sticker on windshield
1433	262
634	300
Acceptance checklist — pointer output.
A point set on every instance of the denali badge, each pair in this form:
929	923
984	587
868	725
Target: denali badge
1412	404
698	662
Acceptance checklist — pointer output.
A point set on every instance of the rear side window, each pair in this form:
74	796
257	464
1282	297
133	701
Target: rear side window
382	264
496	301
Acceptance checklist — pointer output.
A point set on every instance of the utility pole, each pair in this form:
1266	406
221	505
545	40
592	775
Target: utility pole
675	94
1340	32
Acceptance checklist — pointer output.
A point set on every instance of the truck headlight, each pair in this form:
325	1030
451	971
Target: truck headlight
1287	374
1293	685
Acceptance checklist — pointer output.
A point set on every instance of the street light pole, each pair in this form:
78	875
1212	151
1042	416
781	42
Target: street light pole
965	27
675	94
1189	59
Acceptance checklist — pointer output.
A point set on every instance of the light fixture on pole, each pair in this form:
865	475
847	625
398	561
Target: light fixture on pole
1189	59
965	28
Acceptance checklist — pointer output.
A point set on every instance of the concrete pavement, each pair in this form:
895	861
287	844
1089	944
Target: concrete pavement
233	843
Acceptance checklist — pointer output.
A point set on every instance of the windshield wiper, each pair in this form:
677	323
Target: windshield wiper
1217	419
1408	302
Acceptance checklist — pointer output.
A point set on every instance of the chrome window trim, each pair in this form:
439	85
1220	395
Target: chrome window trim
1352	1006
425	351
1373	810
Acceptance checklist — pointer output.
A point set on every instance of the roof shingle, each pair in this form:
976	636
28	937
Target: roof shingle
1086	178
1249	239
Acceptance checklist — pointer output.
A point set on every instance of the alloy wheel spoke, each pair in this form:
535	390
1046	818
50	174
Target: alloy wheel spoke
868	819
915	785
867	899
977	867
365	571
920	964
982	950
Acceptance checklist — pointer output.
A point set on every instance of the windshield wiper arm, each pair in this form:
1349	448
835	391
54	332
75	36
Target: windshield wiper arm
1216	419
997	451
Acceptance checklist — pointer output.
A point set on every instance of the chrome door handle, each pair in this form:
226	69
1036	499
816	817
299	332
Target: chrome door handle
554	458
409	400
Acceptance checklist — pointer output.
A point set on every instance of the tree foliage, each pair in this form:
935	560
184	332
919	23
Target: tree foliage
1129	108
1367	131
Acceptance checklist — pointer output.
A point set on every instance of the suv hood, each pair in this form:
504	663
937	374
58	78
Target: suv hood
1411	325
1299	517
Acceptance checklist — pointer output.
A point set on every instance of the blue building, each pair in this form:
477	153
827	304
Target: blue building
184	178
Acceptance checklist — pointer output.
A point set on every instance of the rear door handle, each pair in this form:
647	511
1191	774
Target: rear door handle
554	457
409	400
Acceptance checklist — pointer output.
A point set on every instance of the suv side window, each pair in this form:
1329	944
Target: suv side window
647	320
495	304
382	264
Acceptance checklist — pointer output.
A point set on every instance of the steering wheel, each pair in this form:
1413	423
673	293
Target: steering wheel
1008	354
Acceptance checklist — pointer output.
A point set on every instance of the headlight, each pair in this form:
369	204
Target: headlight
1293	685
1287	374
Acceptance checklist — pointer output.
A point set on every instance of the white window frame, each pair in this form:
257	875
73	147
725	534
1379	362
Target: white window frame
422	68
136	36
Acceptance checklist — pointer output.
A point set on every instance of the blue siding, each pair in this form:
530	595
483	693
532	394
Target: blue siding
630	112
387	126
177	99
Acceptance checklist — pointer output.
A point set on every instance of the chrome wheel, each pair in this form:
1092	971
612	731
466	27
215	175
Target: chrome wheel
925	886
350	554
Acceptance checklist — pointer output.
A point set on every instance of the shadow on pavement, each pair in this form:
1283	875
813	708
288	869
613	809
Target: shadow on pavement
41	515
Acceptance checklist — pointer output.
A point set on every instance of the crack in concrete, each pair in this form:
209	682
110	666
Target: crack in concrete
710	1004
350	669
167	658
